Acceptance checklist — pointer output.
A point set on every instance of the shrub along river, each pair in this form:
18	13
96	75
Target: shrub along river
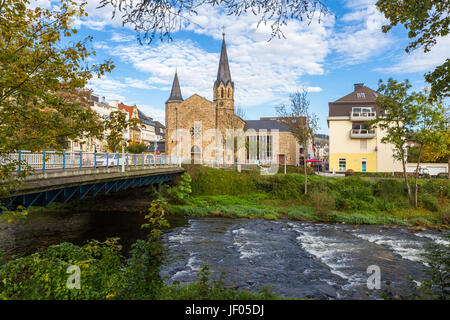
295	259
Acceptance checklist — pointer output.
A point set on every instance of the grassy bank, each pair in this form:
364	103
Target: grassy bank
355	200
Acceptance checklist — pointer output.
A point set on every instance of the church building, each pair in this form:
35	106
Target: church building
191	123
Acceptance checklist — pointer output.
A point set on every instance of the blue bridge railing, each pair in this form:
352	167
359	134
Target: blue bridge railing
56	160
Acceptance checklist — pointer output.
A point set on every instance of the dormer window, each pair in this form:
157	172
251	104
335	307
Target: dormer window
361	95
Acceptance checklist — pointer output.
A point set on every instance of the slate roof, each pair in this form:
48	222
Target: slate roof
223	73
158	127
142	116
265	124
175	94
362	96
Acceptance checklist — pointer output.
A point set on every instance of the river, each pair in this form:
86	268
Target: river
295	259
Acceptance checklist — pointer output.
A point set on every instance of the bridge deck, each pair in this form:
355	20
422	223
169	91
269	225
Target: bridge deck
52	186
55	180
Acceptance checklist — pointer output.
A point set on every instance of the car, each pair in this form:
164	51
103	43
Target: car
424	172
113	160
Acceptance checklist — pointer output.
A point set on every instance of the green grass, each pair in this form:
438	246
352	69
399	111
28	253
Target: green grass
204	206
353	200
212	291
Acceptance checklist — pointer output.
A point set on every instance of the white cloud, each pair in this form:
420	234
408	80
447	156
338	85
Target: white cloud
264	72
99	18
361	37
419	61
108	88
261	70
120	37
40	3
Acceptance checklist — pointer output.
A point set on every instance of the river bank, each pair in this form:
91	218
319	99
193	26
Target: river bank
354	200
262	206
294	259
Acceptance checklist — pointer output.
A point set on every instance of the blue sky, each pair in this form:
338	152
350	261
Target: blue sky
327	58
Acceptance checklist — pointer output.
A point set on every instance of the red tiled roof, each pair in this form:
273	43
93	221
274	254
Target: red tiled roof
128	109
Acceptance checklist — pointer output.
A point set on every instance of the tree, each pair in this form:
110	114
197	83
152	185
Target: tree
42	76
30	127
136	147
114	128
430	122
240	112
161	18
300	121
397	119
427	155
425	21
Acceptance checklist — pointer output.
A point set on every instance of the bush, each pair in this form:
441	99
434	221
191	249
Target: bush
42	275
430	202
436	287
269	216
442	175
281	186
209	181
206	288
349	172
180	192
436	187
322	202
136	147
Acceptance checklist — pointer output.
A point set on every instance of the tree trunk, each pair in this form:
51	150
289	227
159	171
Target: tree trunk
406	177
306	175
417	176
448	167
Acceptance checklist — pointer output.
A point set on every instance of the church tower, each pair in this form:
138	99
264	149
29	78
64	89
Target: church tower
223	86
172	104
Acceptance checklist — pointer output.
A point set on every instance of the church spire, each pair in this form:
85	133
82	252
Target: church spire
175	94
223	74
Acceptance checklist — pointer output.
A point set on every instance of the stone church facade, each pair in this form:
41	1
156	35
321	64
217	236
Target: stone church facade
196	128
191	123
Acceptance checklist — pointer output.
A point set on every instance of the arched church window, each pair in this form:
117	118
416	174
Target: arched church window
222	93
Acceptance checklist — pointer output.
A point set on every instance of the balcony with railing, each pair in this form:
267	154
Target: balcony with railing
362	116
362	133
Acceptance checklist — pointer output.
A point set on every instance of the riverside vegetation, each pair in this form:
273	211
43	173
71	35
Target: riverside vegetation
353	199
107	274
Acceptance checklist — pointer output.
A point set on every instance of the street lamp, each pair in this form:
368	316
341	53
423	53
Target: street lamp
123	155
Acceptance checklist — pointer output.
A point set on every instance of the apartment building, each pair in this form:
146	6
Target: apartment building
144	132
353	143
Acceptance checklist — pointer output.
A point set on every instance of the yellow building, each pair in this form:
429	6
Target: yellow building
353	145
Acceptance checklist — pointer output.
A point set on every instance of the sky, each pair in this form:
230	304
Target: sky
326	58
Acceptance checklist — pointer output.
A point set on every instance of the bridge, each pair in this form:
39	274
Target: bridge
63	176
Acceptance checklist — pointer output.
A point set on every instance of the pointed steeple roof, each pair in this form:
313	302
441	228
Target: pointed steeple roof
175	94
223	74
